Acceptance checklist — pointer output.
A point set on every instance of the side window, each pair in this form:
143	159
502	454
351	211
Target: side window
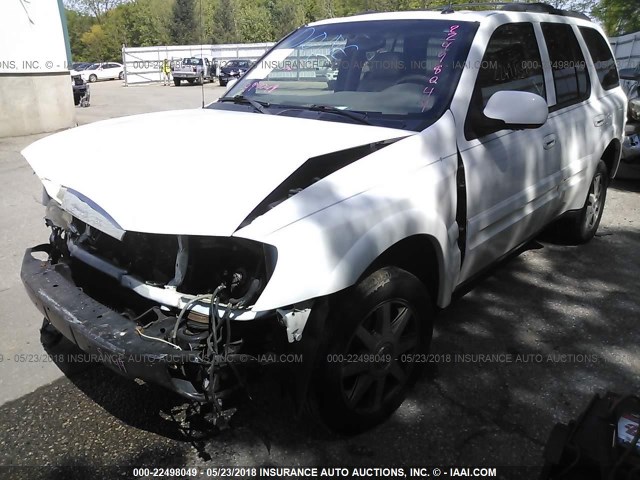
602	58
511	62
570	75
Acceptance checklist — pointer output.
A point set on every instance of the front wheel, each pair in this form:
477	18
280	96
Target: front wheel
380	328
582	225
121	76
93	78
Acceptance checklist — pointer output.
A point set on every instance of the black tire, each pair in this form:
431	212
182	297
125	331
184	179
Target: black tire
176	82
223	83
388	315
93	78
580	227
76	99
121	76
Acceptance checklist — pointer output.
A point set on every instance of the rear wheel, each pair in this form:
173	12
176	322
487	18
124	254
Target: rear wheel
366	368
176	82
581	226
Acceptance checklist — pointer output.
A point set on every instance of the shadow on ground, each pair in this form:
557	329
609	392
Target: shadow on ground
541	335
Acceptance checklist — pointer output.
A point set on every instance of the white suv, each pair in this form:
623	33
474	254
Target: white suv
343	216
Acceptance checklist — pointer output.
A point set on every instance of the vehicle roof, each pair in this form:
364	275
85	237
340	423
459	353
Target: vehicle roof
461	16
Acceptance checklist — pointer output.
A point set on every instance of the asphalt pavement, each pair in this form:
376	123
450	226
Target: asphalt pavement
527	347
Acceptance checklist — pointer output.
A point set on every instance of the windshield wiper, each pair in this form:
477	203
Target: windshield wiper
357	116
240	99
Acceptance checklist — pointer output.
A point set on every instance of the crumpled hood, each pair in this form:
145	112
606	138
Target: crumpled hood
190	172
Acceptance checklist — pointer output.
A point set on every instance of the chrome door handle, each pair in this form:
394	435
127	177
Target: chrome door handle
549	141
599	120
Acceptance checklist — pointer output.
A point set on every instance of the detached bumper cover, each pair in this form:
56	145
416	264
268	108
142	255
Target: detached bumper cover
99	331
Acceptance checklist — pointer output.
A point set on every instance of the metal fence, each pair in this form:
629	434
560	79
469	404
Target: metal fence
142	64
626	49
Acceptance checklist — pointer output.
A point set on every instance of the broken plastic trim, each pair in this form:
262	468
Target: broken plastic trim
312	171
91	213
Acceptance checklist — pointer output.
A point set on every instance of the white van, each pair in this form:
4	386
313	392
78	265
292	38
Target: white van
344	214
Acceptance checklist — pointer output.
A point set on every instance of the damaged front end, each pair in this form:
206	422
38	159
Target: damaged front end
171	310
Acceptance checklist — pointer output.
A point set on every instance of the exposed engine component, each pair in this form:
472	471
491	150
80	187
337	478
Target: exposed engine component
216	280
190	265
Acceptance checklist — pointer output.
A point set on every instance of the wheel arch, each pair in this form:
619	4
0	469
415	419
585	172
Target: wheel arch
611	157
419	255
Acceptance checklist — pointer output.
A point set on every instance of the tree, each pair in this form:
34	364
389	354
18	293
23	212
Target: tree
224	28
183	28
254	22
618	17
96	8
98	45
286	15
77	24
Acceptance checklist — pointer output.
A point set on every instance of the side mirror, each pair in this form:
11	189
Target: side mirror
230	84
517	110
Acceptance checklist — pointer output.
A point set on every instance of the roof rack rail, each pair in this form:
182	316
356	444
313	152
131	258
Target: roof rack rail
450	7
537	7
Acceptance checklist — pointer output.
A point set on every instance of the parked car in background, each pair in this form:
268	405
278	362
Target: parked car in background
233	69
630	165
450	140
81	91
193	70
326	69
102	71
79	66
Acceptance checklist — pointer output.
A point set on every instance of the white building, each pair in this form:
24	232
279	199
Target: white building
35	88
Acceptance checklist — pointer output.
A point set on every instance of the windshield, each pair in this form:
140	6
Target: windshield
237	64
93	67
399	73
192	61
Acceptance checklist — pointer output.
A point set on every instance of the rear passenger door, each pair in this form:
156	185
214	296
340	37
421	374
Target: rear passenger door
577	120
512	176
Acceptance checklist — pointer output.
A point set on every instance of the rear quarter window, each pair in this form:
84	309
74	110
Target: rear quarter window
602	58
570	75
